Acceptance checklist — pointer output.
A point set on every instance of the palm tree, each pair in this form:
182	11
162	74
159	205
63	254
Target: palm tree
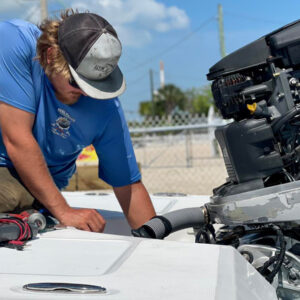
168	98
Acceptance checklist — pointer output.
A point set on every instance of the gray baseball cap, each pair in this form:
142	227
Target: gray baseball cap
92	49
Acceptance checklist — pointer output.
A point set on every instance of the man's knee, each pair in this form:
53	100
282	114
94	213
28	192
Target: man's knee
14	197
8	202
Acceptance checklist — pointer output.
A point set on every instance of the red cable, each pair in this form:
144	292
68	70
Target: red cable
25	230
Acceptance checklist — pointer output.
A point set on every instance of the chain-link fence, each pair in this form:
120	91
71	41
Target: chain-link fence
178	154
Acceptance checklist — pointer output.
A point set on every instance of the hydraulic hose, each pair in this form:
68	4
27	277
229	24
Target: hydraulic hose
161	226
277	259
283	120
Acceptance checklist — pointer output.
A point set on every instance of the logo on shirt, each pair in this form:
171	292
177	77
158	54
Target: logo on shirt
62	124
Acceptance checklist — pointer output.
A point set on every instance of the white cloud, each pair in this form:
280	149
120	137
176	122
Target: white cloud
178	18
133	37
8	6
33	14
135	20
27	10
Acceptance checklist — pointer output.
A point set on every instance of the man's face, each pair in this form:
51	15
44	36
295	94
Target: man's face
65	92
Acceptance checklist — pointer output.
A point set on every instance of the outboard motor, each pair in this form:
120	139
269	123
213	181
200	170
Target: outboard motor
257	88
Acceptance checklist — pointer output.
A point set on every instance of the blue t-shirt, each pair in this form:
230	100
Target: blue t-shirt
61	130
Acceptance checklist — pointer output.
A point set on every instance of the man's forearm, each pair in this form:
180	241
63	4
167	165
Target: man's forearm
136	204
27	158
29	162
31	166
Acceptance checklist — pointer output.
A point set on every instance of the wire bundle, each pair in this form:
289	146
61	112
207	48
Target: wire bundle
20	231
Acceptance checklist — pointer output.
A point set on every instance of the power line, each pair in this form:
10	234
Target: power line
170	48
139	93
133	59
175	75
241	16
137	79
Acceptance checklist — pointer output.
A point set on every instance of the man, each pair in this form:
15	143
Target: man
58	93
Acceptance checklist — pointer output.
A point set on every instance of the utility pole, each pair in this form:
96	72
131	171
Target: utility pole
44	9
162	74
221	30
152	90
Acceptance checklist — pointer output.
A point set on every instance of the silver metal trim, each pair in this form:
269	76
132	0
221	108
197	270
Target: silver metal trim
205	214
62	287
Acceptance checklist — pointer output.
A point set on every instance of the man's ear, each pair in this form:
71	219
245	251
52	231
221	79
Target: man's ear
50	53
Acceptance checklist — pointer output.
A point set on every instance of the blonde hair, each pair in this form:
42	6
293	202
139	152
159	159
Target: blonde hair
49	38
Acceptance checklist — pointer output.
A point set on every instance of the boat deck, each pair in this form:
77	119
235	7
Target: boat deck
128	267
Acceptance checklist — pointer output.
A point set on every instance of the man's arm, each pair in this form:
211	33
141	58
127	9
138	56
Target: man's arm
27	158
136	203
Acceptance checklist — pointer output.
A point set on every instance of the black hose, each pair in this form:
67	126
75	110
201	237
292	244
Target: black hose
280	122
161	226
277	259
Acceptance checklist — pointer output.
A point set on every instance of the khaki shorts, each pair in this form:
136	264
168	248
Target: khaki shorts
14	196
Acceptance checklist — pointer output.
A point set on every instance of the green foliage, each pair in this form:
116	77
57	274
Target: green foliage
171	99
202	101
146	108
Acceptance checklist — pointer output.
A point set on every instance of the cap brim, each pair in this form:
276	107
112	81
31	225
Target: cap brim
110	87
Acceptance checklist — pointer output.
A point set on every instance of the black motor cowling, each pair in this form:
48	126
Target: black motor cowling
258	87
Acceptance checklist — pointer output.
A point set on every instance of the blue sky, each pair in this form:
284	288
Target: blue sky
149	29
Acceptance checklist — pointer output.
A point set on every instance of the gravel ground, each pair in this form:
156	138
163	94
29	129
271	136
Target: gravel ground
181	167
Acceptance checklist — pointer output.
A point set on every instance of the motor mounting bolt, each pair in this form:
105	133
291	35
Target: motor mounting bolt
286	262
293	81
293	275
280	95
248	256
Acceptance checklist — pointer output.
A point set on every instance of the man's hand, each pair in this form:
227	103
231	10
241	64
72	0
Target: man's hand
84	219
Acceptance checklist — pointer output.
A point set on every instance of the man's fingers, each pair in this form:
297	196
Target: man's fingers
84	227
97	222
95	227
84	219
100	219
